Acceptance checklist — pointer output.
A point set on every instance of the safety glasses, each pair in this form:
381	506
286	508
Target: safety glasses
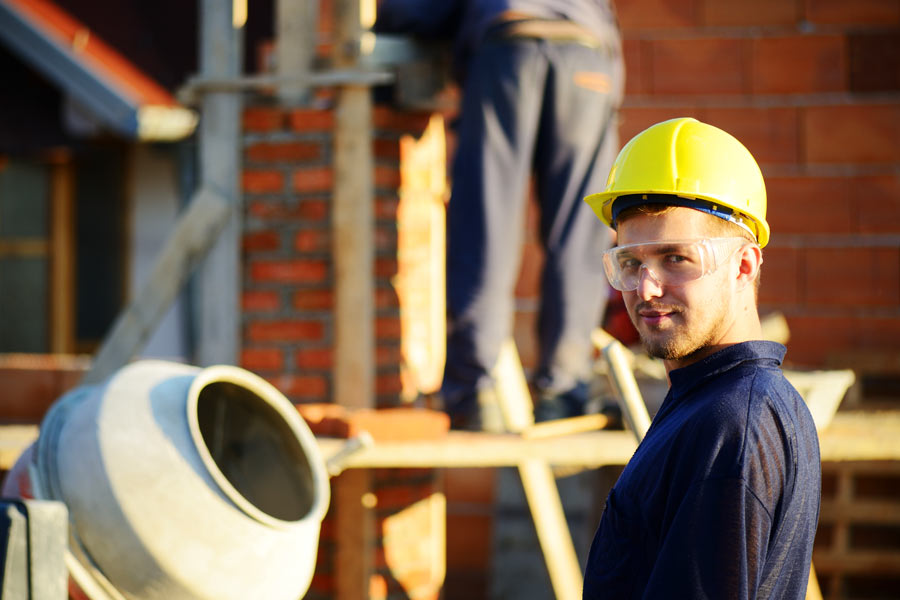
675	262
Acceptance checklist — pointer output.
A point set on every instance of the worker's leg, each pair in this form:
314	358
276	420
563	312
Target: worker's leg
497	127
577	143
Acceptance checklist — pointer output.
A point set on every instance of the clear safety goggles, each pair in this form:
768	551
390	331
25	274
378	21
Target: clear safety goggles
675	262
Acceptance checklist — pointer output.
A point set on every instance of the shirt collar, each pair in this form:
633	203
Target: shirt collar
685	378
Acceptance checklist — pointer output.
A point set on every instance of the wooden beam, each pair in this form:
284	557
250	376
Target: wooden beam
588	449
859	562
567	426
459	449
870	512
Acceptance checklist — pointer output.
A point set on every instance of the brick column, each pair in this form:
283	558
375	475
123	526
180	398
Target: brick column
288	321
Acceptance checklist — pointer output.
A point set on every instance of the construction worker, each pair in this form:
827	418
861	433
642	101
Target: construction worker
721	498
541	83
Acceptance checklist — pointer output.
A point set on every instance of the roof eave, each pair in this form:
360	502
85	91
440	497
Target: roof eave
116	109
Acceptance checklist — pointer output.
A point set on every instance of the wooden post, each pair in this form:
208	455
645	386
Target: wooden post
552	529
62	253
354	562
353	251
632	403
353	224
216	296
537	479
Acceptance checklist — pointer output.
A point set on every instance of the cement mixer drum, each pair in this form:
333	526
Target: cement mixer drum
186	483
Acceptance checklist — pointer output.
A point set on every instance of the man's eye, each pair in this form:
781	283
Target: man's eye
676	259
629	264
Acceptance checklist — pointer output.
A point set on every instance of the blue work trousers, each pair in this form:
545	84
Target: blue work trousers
548	109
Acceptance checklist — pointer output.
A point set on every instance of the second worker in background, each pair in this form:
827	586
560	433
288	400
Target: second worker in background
541	82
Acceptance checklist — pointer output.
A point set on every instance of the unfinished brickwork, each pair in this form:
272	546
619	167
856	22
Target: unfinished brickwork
288	315
288	292
812	87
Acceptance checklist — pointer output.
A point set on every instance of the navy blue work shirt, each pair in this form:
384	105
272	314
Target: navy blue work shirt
721	498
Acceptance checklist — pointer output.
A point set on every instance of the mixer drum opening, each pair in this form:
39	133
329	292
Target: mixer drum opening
256	450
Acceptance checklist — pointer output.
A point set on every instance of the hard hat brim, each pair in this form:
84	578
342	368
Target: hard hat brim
602	202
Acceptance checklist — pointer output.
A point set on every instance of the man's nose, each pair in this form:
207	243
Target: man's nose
649	285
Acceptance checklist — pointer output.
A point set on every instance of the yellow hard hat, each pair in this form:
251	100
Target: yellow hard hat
695	164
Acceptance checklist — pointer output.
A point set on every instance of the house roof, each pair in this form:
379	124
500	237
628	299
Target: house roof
96	76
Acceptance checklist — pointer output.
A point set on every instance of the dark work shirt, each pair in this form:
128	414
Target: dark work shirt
721	498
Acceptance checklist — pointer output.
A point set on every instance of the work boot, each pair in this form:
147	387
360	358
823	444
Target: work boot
479	411
551	406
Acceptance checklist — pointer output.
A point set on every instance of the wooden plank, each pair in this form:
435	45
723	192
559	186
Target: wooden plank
885	512
568	426
457	449
468	449
879	466
861	436
858	562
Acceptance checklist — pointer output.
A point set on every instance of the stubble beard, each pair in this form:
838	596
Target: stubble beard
682	339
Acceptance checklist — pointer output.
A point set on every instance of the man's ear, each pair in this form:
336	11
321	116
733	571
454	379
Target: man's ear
750	260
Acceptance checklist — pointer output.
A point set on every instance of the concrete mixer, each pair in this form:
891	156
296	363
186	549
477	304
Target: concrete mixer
181	483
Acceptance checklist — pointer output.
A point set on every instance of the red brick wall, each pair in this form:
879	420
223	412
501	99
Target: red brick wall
812	87
287	292
288	289
288	321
